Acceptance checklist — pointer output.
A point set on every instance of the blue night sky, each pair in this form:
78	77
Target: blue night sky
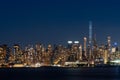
56	21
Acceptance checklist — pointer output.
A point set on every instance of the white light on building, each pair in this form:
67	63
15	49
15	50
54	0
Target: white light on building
70	42
113	50
76	42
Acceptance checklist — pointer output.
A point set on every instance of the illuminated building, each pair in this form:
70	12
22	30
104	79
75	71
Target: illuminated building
11	58
2	56
80	54
73	55
109	44
90	33
4	49
105	56
85	48
18	54
38	53
90	40
70	43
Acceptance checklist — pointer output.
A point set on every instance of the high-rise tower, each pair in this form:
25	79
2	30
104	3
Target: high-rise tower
90	33
90	40
109	43
85	48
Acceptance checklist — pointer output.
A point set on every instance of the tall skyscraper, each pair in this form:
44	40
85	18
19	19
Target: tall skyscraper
109	44
90	42
80	52
90	33
85	47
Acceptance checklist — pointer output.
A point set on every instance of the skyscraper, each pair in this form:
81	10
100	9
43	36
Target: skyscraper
90	33
85	48
90	43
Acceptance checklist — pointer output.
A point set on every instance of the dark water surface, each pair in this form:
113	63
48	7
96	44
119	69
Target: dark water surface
53	73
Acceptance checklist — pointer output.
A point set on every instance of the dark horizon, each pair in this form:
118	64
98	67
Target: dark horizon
56	21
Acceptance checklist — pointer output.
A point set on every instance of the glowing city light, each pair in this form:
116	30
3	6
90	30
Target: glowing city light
116	61
76	42
70	42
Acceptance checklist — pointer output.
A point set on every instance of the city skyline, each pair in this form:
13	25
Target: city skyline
27	22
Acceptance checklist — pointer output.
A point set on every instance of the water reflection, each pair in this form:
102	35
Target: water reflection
45	73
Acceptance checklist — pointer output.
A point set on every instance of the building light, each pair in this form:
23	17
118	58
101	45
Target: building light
70	42
116	61
115	44
85	38
113	50
76	42
80	47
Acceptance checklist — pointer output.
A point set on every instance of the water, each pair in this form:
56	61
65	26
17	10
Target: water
51	73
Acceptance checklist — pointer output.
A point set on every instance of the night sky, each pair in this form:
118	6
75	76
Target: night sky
56	21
